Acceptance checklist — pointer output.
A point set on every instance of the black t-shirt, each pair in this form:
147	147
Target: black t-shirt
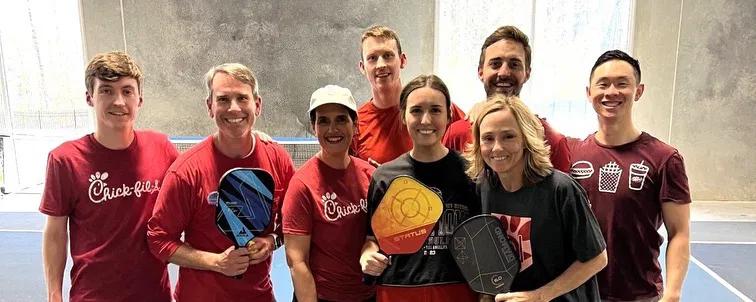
433	263
550	225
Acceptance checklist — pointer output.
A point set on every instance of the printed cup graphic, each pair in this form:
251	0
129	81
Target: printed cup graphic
638	174
609	176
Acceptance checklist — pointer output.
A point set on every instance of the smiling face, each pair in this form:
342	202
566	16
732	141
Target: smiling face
504	68
502	144
233	106
115	103
614	89
426	116
334	129
381	62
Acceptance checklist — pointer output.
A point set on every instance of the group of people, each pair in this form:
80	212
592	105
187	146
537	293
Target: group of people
134	204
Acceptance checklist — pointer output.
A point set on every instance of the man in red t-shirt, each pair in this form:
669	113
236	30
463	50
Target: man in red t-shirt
381	136
325	209
207	258
635	183
504	67
104	186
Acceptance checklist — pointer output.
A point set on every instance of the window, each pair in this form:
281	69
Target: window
566	36
42	62
41	86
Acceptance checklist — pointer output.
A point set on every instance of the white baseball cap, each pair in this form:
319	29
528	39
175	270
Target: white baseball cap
332	94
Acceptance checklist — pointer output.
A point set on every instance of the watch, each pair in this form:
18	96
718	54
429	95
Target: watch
276	241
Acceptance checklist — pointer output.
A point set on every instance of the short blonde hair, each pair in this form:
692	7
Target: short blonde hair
112	66
536	153
238	71
382	32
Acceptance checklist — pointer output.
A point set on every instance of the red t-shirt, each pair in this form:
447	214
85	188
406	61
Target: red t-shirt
626	186
381	135
330	205
108	197
182	206
460	134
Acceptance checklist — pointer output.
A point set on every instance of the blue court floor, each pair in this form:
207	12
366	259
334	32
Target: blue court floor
721	269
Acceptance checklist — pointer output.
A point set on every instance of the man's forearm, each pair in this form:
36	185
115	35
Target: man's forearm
677	259
186	256
574	276
304	283
54	255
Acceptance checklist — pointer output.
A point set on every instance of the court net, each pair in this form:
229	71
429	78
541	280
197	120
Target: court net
23	156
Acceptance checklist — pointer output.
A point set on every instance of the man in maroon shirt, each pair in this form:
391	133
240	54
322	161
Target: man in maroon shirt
207	258
103	187
504	67
634	182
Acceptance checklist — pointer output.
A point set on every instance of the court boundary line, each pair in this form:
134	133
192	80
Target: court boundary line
20	231
719	279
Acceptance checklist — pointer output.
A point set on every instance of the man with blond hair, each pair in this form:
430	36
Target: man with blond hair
381	136
104	186
207	258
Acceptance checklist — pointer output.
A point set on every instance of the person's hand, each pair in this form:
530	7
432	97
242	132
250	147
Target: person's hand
474	112
529	296
260	249
232	262
373	263
262	136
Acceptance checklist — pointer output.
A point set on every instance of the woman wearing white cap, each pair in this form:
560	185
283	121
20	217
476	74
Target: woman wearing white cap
324	211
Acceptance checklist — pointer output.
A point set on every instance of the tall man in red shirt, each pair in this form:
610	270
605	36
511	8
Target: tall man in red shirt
207	258
504	67
381	136
634	182
103	186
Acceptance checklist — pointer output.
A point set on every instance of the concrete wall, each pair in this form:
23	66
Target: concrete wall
293	46
697	60
698	65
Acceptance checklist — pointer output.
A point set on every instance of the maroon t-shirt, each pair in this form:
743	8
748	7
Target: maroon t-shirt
108	197
330	205
626	186
183	207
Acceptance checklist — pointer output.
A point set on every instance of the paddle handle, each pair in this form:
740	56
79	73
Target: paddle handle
370	279
239	277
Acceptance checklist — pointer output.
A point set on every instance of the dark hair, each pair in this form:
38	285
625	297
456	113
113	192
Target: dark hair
421	81
507	32
618	55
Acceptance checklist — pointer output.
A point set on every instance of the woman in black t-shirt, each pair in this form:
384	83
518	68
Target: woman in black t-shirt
546	213
431	273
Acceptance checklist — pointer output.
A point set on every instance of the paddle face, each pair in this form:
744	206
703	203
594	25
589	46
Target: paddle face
406	216
244	204
483	253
